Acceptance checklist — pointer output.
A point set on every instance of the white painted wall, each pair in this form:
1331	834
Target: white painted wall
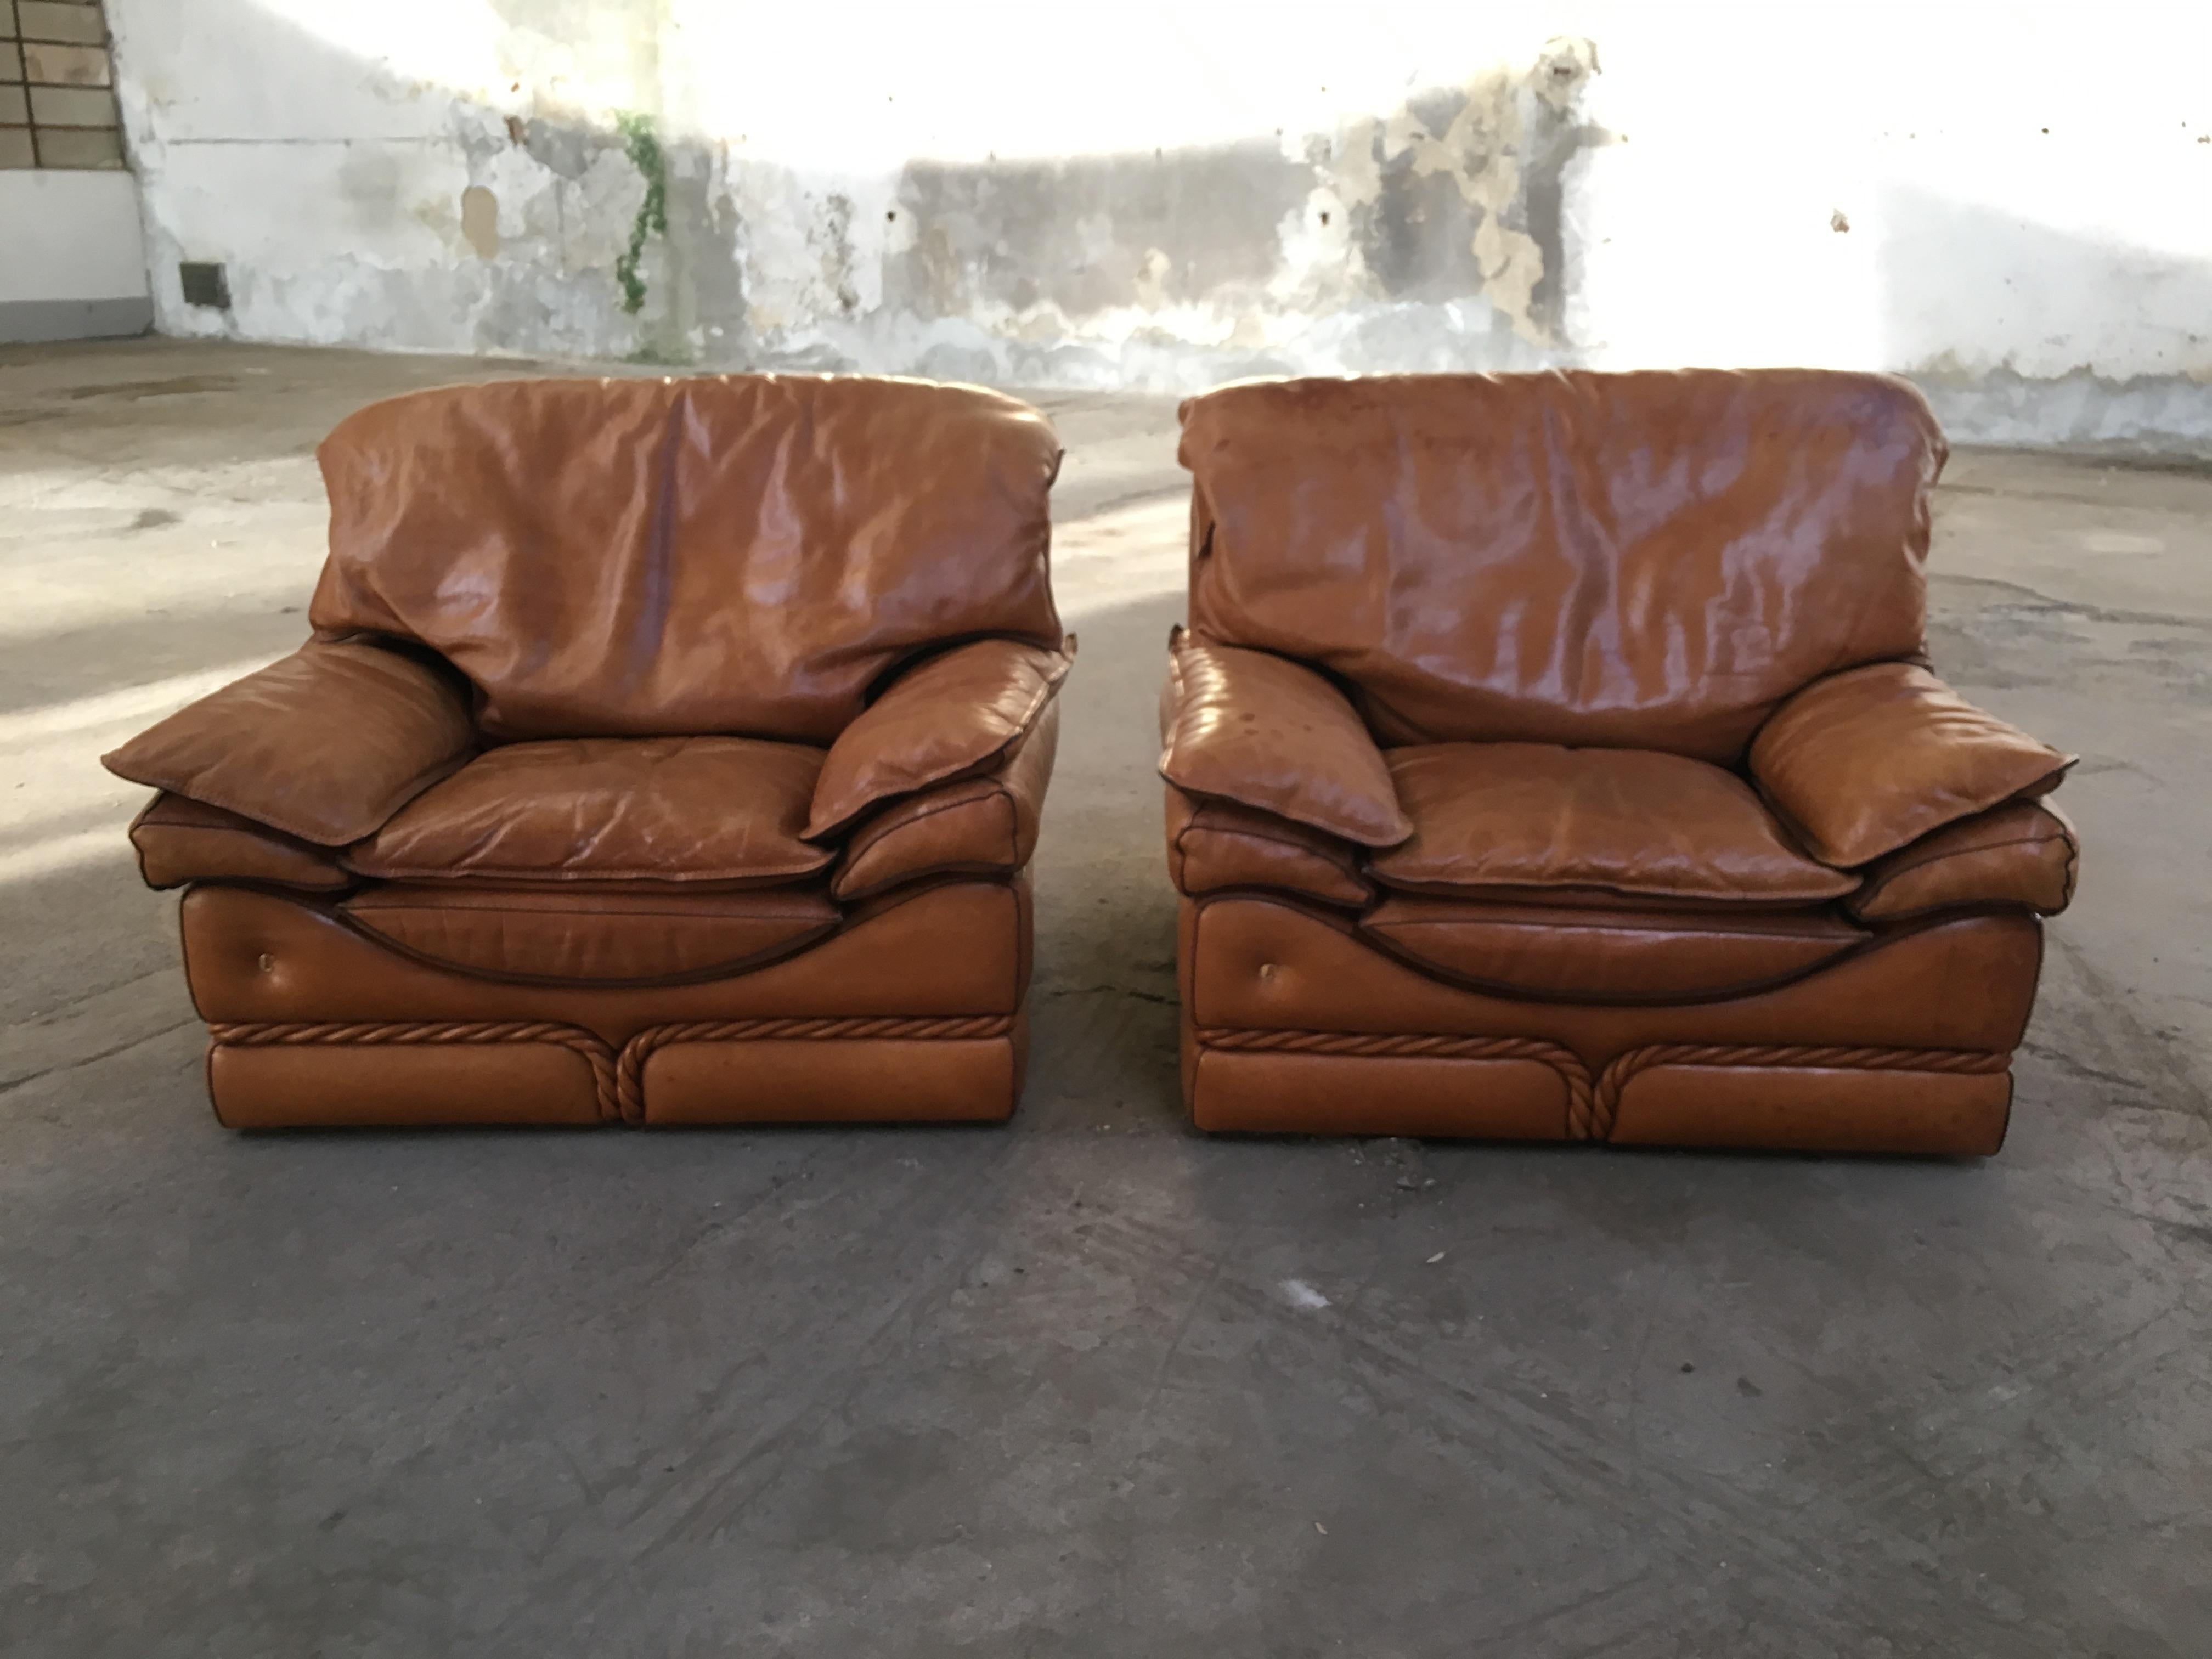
71	260
2028	189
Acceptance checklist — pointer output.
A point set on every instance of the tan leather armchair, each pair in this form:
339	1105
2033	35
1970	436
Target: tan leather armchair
1556	757
669	751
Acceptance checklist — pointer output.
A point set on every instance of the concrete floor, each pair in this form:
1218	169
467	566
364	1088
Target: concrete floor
1051	1390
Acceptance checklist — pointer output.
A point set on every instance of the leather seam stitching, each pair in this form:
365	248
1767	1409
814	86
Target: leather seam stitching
509	872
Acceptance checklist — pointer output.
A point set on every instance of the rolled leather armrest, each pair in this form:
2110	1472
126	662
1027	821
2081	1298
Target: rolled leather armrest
983	824
1270	733
955	716
179	842
1217	846
1864	761
324	745
2024	853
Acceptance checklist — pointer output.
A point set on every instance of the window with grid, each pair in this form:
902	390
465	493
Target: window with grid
56	86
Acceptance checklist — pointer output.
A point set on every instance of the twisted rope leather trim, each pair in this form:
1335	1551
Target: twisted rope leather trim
1591	1109
1617	1073
418	1033
629	1076
1564	1060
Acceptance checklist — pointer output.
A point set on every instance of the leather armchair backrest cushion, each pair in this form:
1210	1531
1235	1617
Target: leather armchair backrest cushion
744	554
1648	561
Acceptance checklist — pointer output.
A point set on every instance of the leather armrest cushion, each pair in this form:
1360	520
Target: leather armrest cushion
986	824
180	841
1862	762
952	716
1272	734
2022	853
1216	846
324	745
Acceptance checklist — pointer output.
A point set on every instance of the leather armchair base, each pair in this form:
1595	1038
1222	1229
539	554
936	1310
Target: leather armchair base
911	1011
1292	1023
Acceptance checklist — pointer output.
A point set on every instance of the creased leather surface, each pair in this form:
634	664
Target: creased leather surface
1260	961
558	934
1295	1022
1216	844
958	712
1595	955
960	948
722	553
972	825
1636	560
1533	816
324	744
1862	762
1274	735
2022	853
179	841
660	808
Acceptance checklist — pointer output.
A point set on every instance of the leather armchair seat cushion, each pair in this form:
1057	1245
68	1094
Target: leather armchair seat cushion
1520	818
608	937
1215	845
603	809
973	826
180	840
2023	852
1580	955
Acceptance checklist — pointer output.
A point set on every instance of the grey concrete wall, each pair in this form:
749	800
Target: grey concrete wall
1156	198
71	265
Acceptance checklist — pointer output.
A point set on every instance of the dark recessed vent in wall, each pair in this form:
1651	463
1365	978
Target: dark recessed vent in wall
204	285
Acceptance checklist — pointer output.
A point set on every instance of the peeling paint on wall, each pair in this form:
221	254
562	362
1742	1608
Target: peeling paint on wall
1424	232
480	220
373	176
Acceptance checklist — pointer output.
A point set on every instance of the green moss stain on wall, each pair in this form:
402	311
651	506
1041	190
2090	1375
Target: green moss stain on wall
642	145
